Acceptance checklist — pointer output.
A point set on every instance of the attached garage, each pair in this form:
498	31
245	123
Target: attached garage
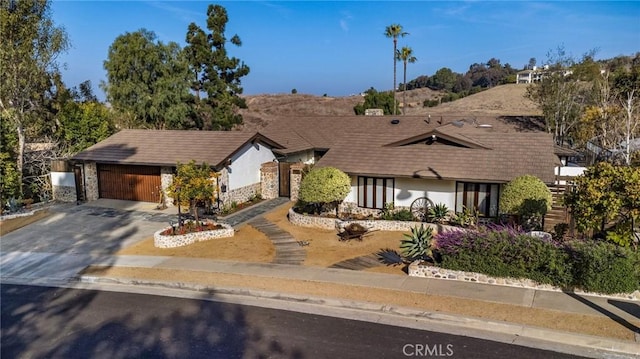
138	165
129	182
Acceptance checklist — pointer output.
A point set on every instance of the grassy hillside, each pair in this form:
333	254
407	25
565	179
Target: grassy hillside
507	100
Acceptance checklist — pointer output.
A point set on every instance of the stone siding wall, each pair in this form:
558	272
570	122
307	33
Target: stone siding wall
419	269
269	186
382	225
352	207
63	184
161	241
240	195
166	179
91	181
295	178
64	193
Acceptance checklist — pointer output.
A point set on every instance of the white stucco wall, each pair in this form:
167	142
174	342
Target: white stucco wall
305	157
406	190
569	170
245	165
63	179
438	191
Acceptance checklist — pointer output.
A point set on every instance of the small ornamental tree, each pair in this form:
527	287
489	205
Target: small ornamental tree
193	184
323	186
604	194
528	197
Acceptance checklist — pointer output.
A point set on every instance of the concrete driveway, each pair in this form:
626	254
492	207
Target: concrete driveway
98	228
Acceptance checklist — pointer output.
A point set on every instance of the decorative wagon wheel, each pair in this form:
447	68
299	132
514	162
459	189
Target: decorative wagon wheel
420	208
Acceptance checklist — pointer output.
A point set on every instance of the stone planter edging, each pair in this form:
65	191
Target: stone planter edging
161	241
417	269
35	208
382	225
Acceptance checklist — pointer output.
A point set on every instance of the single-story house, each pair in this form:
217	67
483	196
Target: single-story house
460	161
138	164
457	162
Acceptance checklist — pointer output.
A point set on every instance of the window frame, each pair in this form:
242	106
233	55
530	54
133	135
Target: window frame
369	186
473	189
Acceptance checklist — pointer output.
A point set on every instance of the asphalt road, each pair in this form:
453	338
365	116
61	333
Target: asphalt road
39	322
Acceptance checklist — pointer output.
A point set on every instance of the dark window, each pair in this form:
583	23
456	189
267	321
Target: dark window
481	196
375	192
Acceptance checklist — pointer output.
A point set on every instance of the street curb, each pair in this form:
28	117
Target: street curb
598	346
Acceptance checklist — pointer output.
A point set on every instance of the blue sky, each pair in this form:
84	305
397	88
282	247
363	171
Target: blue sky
339	48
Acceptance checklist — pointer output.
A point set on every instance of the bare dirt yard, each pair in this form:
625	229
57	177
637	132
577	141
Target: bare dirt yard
250	245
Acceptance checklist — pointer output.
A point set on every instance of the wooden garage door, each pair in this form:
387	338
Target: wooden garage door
133	183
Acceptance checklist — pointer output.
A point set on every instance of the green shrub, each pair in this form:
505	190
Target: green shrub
528	197
560	231
467	218
417	244
326	185
604	267
621	234
431	103
389	213
403	215
503	251
438	213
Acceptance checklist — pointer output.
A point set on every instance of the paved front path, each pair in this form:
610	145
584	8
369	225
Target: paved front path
288	250
259	209
359	263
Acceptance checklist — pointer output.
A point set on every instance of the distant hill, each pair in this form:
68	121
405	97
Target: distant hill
505	100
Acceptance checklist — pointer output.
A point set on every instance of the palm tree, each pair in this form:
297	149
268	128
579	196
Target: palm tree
406	56
393	31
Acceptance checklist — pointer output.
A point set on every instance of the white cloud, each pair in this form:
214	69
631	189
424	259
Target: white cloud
344	21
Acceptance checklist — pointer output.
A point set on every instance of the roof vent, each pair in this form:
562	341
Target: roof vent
395	121
458	123
485	125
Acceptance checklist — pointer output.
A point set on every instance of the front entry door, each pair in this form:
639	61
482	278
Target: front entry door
285	179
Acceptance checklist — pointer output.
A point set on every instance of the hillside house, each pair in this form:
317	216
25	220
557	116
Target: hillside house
457	161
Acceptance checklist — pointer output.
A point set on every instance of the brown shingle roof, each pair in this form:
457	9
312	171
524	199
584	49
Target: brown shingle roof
166	148
321	132
507	157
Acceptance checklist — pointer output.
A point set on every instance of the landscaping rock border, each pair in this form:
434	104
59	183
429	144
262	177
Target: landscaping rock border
174	241
381	225
419	269
35	208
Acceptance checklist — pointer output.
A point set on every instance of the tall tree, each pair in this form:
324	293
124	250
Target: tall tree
82	120
374	99
443	79
406	56
215	73
627	92
147	80
561	98
29	46
394	31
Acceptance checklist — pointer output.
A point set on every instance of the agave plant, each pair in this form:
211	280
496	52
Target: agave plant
417	244
439	213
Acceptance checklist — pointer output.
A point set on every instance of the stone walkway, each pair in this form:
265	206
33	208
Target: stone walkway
359	263
288	250
254	211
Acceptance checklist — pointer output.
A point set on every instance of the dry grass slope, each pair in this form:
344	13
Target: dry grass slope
505	100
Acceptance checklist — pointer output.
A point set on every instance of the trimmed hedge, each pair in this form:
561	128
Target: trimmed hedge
502	251
604	267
